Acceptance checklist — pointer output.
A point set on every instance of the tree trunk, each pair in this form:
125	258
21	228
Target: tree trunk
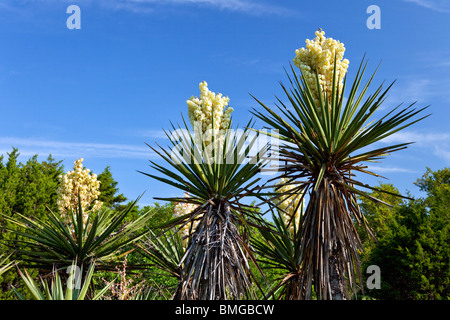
336	286
216	265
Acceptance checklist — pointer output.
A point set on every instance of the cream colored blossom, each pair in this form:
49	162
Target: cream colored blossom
183	208
209	115
78	183
287	210
319	55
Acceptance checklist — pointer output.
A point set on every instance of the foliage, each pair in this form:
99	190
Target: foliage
153	283
412	251
414	247
327	137
276	249
55	242
4	264
217	189
165	251
109	190
378	215
29	188
76	287
34	185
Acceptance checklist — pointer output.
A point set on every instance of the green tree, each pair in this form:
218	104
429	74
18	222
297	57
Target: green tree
109	190
436	184
378	214
28	189
413	252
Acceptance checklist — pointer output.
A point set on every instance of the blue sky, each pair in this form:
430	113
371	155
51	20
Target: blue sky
103	91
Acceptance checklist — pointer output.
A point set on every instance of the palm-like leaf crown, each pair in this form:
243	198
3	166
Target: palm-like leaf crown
212	166
325	143
56	241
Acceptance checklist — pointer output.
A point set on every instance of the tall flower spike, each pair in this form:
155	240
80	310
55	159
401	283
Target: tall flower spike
180	209
319	55
78	183
209	115
288	205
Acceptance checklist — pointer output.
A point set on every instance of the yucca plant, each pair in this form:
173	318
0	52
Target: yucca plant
325	141
74	288
55	242
164	251
277	249
215	264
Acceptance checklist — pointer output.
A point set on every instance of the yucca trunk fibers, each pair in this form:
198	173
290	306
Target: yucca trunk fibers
293	287
329	239
215	264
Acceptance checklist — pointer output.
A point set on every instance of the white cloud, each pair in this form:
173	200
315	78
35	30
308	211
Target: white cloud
436	5
443	152
435	144
379	169
34	146
246	6
423	139
414	88
252	7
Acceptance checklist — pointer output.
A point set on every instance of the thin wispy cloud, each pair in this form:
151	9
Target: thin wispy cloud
436	59
381	169
422	139
443	152
412	89
245	6
431	144
434	144
252	7
436	5
34	146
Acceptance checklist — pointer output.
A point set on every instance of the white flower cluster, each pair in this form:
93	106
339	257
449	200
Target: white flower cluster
183	208
319	55
79	182
209	116
287	210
